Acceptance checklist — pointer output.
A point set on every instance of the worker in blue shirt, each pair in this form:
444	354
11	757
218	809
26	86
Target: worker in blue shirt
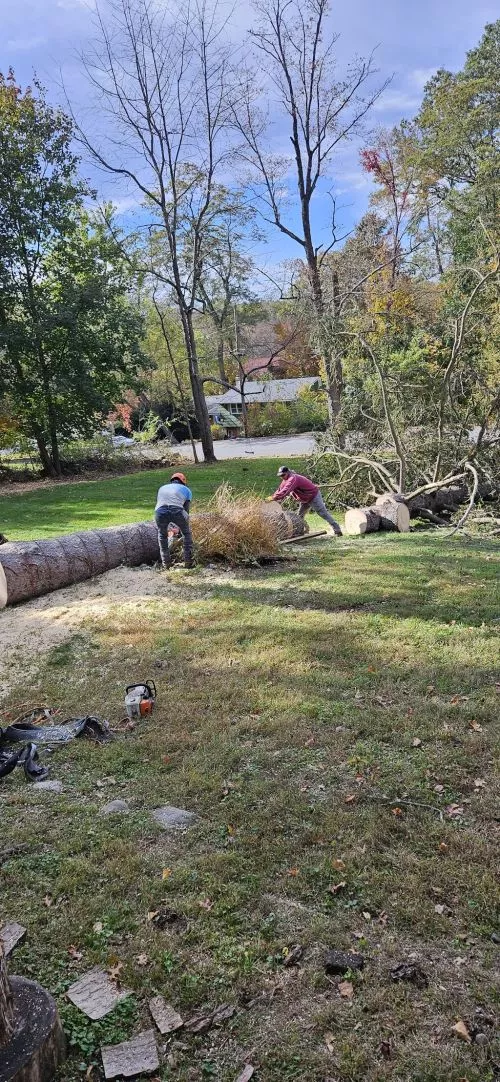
172	507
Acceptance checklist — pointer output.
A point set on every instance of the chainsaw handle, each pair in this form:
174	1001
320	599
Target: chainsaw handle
150	685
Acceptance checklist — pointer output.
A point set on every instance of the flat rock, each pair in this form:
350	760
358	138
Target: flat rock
165	1017
95	994
126	1060
115	807
340	961
10	935
49	786
174	818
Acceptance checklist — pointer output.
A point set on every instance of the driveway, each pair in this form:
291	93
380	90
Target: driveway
262	447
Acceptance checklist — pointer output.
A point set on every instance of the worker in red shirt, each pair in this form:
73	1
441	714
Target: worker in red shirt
307	493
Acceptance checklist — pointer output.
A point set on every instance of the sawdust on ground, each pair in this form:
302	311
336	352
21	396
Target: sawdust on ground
29	630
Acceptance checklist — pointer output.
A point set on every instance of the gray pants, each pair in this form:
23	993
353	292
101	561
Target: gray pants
318	505
178	517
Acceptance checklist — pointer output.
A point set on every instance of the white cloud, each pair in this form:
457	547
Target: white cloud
398	101
23	45
420	76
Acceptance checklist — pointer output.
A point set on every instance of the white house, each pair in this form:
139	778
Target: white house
272	390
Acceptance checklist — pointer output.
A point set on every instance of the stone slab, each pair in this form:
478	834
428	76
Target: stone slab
171	818
116	807
95	993
49	786
131	1058
164	1016
11	934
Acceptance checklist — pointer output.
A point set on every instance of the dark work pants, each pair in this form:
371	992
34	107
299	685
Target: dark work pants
180	518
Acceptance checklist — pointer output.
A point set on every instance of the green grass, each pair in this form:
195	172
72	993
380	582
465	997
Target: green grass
56	509
289	704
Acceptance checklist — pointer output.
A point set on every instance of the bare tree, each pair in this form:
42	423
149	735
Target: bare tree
322	111
161	77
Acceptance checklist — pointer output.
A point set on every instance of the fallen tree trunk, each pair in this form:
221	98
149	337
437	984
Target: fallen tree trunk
31	568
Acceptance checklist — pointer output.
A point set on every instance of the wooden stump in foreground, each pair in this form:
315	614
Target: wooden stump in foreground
32	1043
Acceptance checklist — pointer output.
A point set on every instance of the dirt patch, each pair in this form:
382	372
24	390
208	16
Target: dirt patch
29	630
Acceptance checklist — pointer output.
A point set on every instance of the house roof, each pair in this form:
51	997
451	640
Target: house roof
226	419
272	390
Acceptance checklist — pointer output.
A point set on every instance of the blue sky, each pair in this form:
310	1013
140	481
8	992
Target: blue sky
413	39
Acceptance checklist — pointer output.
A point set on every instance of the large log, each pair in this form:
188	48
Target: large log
361	520
394	513
31	568
6	1005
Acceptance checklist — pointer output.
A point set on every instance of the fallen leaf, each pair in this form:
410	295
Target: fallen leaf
461	1031
75	953
293	872
292	955
329	1040
385	1049
358	694
48	901
98	926
439	909
416	742
346	989
205	903
309	743
358	935
335	887
439	788
142	960
166	873
397	812
443	847
430	688
479	783
115	970
454	811
367	915
338	865
383	917
349	799
246	1074
476	726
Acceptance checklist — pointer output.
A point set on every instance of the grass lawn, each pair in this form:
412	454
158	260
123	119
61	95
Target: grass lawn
55	509
332	724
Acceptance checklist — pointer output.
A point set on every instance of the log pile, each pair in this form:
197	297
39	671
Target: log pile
31	568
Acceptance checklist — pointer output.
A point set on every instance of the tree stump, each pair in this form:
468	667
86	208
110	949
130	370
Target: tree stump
32	1043
361	520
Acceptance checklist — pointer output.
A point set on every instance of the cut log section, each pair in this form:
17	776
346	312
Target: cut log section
361	520
32	1043
31	568
394	513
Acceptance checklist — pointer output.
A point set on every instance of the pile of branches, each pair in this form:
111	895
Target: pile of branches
235	529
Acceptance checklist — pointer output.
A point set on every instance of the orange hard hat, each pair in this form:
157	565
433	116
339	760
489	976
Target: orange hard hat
179	477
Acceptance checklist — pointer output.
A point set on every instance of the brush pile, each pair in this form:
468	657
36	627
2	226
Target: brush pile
242	528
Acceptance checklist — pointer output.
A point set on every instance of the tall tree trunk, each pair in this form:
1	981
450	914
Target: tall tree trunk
199	401
220	359
45	458
331	357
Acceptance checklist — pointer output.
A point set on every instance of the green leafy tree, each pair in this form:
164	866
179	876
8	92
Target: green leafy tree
69	332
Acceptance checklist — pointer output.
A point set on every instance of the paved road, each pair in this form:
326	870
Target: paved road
262	447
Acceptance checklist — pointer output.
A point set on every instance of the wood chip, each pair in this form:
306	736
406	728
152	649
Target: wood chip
246	1074
10	935
166	1018
461	1031
95	994
131	1058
